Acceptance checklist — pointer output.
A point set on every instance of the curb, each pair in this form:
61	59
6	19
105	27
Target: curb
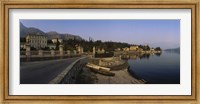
60	76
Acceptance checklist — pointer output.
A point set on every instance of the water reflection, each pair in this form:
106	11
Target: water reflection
135	56
157	68
158	54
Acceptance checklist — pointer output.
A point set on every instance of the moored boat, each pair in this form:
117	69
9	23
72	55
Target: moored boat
97	67
100	69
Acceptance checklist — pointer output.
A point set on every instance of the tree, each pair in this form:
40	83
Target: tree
146	48
49	42
23	40
57	44
157	49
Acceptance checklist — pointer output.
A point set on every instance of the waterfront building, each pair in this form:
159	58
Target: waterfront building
140	50
152	49
118	49
126	49
36	40
100	51
134	48
51	46
79	49
57	40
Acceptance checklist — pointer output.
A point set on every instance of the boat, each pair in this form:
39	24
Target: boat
97	67
100	69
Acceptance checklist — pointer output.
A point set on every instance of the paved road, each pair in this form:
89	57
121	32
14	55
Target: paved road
41	72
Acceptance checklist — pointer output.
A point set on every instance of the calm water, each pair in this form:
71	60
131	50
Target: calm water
157	69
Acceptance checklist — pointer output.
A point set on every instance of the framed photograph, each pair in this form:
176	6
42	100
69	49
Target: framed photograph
102	51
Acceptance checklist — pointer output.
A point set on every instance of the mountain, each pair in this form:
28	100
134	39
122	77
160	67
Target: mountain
174	50
31	30
66	36
51	35
23	30
70	36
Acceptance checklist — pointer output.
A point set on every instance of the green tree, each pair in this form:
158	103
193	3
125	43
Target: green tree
158	49
57	44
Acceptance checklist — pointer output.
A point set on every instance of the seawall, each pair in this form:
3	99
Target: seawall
69	75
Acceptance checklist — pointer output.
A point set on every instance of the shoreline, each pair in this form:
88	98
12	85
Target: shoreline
110	70
123	76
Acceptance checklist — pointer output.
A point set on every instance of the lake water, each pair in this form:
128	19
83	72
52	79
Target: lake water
157	69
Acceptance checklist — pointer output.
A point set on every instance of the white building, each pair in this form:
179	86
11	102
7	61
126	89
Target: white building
51	46
36	40
134	48
56	40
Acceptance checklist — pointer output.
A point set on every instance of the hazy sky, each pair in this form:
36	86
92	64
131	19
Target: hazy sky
163	33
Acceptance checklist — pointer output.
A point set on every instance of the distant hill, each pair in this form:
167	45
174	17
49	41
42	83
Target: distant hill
173	50
51	35
54	34
70	36
24	30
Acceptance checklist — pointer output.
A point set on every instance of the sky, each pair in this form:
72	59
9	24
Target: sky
155	33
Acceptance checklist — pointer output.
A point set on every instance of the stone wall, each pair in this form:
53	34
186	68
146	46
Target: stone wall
104	61
94	61
72	75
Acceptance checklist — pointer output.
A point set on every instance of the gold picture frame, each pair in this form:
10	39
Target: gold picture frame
4	47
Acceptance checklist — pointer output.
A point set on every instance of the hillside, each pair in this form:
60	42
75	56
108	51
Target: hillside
24	30
173	50
51	35
54	34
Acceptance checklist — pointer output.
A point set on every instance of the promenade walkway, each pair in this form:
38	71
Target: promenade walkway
41	72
